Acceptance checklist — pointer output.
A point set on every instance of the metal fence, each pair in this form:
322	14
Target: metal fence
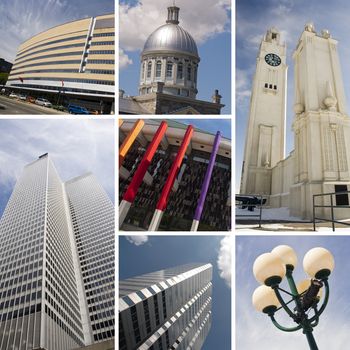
333	206
255	205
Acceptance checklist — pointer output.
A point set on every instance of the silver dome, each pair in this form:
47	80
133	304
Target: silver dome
171	37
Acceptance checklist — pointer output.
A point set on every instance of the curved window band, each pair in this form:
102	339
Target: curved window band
87	81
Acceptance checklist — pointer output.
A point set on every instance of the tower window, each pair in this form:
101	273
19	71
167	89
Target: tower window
149	69
180	73
169	70
275	87
143	70
195	74
158	69
266	85
274	36
270	86
189	73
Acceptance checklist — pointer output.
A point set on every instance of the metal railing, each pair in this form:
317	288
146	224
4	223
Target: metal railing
256	205
332	206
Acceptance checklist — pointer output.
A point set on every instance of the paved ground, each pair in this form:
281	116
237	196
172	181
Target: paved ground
289	226
13	106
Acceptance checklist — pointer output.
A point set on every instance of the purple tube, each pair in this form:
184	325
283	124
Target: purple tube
206	182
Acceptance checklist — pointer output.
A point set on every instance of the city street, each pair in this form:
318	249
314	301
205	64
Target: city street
12	106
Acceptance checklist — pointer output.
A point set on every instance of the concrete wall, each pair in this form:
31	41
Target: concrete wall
282	180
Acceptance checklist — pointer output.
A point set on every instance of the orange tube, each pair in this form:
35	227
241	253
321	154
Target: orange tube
130	139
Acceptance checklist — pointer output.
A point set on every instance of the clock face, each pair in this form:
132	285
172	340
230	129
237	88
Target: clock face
272	59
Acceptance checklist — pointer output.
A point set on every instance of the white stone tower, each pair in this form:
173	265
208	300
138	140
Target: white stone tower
169	60
321	126
265	140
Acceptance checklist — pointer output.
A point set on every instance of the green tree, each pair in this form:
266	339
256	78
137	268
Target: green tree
3	78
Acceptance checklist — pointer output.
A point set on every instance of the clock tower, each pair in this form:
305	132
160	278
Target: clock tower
265	140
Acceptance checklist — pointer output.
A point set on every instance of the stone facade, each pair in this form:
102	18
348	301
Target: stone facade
319	164
265	142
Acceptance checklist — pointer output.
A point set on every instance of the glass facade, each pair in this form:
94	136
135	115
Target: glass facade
167	309
41	290
92	217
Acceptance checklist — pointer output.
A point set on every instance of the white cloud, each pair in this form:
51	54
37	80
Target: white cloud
243	84
224	259
137	240
22	19
124	59
203	22
67	141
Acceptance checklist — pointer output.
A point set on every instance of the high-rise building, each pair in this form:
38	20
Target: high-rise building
52	293
167	309
92	217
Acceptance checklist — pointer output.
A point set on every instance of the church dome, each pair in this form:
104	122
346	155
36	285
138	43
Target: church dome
171	37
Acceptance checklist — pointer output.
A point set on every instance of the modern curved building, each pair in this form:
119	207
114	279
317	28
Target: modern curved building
187	187
72	63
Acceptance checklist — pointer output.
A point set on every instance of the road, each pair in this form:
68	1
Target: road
12	106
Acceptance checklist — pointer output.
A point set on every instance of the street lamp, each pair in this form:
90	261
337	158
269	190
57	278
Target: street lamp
270	268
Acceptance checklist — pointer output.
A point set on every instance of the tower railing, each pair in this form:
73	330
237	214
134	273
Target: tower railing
332	206
250	201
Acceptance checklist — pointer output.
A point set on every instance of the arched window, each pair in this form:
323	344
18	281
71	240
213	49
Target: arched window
169	69
180	71
143	70
149	69
189	73
195	74
158	69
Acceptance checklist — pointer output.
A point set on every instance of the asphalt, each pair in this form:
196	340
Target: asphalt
12	106
284	226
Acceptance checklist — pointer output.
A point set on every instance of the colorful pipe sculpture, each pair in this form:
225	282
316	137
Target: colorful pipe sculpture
130	194
206	182
163	200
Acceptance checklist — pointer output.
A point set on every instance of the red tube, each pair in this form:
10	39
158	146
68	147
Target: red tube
163	200
137	179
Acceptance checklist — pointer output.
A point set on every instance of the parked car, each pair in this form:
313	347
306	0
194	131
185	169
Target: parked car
43	102
13	95
31	99
58	107
73	109
22	97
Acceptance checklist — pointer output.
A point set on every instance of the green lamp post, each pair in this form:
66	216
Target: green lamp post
270	269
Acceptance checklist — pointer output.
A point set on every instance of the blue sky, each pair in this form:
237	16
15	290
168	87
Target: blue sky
142	254
21	19
76	147
209	24
211	125
255	330
253	18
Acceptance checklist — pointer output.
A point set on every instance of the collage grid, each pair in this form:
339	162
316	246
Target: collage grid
169	287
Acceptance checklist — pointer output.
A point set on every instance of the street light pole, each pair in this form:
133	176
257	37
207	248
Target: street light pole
270	269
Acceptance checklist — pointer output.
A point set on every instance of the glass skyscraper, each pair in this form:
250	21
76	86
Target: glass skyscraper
54	288
167	309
